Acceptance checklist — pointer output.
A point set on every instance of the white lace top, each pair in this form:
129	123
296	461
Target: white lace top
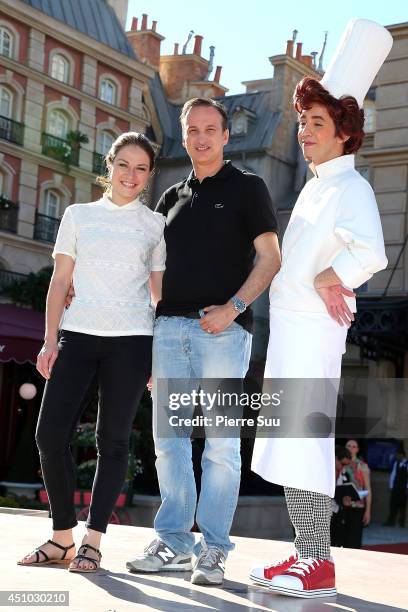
114	248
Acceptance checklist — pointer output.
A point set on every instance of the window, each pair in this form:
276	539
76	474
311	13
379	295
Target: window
369	117
241	120
6	99
6	42
58	124
106	142
108	91
51	204
60	68
239	124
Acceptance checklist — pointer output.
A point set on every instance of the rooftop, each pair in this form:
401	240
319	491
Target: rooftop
94	18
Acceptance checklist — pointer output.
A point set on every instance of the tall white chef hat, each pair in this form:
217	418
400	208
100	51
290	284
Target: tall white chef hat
360	54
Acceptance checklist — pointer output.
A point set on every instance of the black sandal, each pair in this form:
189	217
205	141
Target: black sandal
82	557
47	560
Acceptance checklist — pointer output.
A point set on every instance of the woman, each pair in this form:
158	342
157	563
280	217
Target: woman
357	513
113	249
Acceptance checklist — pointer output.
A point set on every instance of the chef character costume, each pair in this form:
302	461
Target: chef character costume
335	222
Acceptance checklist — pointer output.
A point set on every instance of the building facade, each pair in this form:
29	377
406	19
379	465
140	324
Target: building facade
70	83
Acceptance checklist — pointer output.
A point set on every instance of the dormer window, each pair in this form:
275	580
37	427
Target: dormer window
241	120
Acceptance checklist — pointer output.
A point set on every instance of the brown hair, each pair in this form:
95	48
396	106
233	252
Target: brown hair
194	102
347	116
128	138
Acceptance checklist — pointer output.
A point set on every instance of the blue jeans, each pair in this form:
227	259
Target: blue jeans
181	349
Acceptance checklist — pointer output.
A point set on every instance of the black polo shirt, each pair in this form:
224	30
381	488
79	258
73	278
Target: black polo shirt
210	230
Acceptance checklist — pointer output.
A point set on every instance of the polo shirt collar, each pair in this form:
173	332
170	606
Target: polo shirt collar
333	166
107	203
222	173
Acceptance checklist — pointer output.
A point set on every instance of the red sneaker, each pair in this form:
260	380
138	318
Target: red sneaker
263	575
307	578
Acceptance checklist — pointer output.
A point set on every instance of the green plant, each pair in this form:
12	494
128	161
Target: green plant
84	435
86	474
67	149
9	502
75	138
30	291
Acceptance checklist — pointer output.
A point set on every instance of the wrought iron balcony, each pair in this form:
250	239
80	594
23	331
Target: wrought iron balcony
8	215
381	329
10	130
7	277
46	228
59	149
99	165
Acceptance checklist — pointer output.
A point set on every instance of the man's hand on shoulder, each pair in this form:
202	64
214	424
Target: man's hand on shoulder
69	296
218	318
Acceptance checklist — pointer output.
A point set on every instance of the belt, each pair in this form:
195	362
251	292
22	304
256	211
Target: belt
192	315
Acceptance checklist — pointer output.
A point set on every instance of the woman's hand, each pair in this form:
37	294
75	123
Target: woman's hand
47	357
333	297
366	517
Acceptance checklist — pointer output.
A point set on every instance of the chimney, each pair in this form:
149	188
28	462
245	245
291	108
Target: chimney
298	51
146	43
121	9
308	60
289	48
186	75
197	45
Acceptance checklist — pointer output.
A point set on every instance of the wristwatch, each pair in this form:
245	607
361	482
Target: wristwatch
239	304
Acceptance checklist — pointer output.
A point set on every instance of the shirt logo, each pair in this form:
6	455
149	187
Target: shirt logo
219	205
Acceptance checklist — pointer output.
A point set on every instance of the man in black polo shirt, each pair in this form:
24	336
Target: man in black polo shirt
218	219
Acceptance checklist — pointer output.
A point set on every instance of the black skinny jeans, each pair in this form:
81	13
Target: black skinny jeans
123	365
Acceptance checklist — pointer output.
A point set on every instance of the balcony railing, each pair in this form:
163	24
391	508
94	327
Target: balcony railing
7	278
45	228
10	130
99	165
8	215
59	149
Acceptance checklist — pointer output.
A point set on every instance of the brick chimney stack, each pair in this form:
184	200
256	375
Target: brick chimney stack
298	51
289	48
198	44
184	76
307	59
217	74
146	43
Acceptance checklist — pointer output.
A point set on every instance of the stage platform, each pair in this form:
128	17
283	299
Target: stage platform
367	581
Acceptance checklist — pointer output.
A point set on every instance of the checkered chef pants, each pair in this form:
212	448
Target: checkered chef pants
310	514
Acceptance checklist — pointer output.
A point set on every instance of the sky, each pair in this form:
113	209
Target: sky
245	34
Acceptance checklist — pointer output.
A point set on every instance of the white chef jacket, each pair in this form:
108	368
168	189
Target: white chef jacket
335	223
115	248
